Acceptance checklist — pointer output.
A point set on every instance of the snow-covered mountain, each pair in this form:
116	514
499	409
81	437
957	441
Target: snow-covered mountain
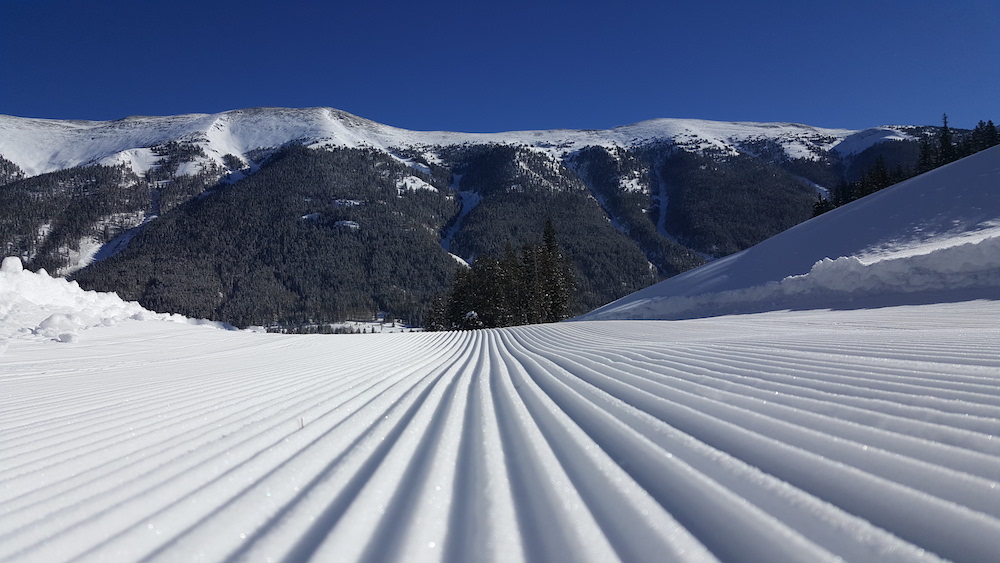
38	146
861	434
632	205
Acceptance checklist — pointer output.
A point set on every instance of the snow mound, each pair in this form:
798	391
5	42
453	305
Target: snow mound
967	271
938	233
34	305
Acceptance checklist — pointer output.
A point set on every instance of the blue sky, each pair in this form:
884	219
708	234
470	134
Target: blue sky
494	66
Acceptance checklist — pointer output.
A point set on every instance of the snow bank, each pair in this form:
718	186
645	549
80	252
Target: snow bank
970	270
412	183
34	305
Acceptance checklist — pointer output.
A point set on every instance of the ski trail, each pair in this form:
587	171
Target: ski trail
119	243
469	201
704	440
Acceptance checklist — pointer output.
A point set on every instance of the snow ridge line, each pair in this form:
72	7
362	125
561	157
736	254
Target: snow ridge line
604	441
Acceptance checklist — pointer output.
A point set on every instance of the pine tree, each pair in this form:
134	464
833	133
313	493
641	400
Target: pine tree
991	136
511	294
437	316
928	157
880	176
532	291
983	137
947	147
557	277
822	205
536	287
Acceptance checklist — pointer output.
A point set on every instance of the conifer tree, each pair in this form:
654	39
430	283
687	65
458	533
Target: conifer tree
557	277
947	147
991	136
536	287
928	157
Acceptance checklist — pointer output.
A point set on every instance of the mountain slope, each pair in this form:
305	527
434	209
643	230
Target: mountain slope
944	225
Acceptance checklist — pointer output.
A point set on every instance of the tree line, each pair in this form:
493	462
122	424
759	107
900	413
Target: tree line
534	286
935	151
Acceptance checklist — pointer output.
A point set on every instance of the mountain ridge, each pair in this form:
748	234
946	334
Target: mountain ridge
39	145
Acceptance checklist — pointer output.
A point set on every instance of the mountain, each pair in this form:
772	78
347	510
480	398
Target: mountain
298	216
865	433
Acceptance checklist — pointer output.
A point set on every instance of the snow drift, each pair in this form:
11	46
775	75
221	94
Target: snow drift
938	232
35	305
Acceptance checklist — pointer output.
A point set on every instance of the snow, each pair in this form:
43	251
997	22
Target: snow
470	200
857	142
81	257
38	146
35	306
633	183
413	164
138	160
348	224
461	261
89	249
865	433
412	183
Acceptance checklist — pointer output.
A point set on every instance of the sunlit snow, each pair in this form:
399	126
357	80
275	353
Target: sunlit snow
412	183
38	146
866	433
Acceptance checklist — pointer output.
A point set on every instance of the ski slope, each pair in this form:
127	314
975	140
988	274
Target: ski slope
870	435
869	432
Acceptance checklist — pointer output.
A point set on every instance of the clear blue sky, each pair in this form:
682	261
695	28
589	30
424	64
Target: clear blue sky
518	64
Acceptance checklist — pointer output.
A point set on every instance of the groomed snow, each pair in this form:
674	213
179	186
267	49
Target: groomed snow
865	434
792	436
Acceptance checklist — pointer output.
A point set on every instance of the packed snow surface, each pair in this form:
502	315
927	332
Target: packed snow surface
861	434
792	436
